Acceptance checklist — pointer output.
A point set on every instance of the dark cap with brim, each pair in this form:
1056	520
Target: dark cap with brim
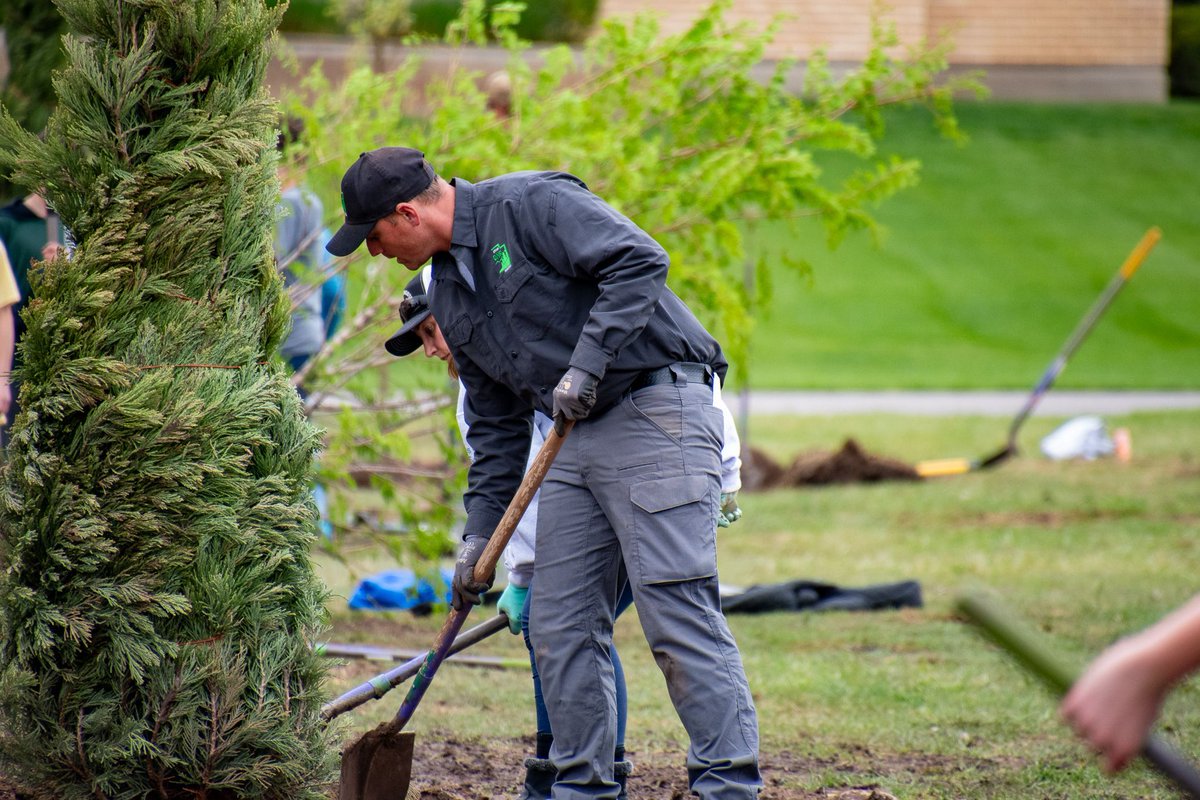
414	308
372	187
349	237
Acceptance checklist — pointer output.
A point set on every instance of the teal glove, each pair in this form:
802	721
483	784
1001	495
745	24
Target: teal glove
511	604
729	512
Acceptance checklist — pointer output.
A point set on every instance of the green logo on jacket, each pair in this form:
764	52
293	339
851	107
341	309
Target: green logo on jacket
500	256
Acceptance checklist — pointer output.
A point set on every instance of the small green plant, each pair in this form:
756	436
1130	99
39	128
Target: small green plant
374	21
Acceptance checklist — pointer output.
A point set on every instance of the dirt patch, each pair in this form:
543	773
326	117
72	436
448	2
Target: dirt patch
451	769
850	464
456	770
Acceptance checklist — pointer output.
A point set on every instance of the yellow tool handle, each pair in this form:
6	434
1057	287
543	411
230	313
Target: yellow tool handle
942	467
1140	252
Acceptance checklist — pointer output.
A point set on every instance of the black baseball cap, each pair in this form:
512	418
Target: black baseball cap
372	187
414	308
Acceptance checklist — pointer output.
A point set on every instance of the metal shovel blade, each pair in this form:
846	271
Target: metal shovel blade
378	765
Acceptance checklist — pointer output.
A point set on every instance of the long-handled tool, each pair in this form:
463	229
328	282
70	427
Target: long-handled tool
1025	647
957	466
380	685
378	766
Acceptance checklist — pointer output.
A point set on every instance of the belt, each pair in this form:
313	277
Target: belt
700	373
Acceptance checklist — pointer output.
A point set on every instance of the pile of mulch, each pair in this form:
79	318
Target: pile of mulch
851	464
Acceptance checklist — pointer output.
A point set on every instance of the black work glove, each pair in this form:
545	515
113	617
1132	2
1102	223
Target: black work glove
464	588
574	396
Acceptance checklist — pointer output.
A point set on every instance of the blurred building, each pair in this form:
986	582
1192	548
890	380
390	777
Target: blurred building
1029	49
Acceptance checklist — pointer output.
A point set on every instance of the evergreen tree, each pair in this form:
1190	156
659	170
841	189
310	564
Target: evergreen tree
158	599
32	30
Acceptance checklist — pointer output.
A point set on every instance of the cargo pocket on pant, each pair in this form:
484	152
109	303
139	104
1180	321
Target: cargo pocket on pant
673	520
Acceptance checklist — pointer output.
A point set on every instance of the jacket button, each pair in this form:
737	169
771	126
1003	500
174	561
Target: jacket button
542	390
513	354
490	314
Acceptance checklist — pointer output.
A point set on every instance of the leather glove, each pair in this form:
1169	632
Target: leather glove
729	512
512	605
464	588
574	396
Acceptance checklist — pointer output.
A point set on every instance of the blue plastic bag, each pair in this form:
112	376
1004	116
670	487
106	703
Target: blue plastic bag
400	589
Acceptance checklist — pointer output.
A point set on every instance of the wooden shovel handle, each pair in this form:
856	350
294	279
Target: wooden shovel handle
520	502
483	570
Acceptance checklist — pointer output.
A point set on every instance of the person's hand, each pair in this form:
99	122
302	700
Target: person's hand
729	512
1114	703
50	251
464	588
574	396
512	604
5	396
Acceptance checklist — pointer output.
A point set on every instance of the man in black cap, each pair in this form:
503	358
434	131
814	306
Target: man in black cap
549	299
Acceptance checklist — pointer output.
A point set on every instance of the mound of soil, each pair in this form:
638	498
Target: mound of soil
851	464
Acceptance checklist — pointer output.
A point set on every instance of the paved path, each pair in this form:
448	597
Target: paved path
921	403
945	403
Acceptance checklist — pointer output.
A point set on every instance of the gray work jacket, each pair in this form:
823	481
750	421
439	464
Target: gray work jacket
560	279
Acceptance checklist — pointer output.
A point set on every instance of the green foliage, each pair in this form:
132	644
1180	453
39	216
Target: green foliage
1184	67
677	131
544	21
32	31
158	598
306	16
373	19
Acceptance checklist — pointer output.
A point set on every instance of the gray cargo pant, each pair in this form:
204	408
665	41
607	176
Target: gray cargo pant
634	493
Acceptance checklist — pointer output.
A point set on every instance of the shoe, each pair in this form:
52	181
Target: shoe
539	779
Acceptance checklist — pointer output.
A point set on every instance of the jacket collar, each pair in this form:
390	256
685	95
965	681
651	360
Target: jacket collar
463	231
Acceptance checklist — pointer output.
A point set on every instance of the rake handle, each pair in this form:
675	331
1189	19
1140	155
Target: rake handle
483	570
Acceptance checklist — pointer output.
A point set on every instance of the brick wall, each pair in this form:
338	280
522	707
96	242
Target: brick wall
1075	33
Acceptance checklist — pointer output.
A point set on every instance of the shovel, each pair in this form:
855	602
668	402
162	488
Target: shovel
957	466
378	766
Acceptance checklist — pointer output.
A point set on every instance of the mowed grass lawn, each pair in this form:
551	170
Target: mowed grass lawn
911	701
988	264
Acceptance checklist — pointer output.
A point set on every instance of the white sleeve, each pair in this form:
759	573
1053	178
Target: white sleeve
460	414
731	450
519	554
